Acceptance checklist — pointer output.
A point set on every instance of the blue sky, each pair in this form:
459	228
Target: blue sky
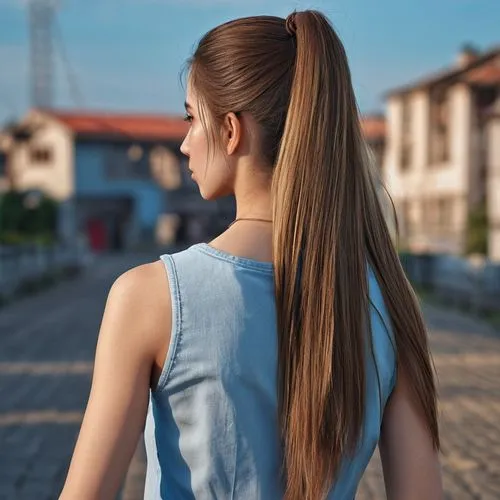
126	54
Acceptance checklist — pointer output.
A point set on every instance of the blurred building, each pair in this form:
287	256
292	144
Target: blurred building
121	179
442	158
493	184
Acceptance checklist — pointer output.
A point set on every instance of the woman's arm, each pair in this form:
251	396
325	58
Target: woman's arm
134	329
411	465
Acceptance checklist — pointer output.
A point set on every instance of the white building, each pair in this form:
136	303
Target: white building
442	158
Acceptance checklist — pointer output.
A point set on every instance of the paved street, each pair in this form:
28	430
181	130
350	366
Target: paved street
47	345
467	358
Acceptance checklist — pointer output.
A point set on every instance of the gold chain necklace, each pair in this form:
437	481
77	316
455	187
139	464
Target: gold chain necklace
248	218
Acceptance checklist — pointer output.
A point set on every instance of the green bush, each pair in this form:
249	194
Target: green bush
477	231
11	212
22	222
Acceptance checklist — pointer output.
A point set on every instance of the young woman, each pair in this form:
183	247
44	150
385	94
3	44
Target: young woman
270	362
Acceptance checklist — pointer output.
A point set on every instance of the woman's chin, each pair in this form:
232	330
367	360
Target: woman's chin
206	195
210	195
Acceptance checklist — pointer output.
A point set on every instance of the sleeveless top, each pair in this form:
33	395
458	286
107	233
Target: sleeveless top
211	429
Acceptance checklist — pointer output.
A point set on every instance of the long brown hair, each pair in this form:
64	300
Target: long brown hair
292	76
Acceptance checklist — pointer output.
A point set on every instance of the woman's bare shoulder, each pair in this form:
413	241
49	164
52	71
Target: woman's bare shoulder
134	330
141	297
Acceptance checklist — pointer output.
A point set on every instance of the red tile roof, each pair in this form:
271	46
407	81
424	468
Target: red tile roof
373	127
485	75
137	126
149	126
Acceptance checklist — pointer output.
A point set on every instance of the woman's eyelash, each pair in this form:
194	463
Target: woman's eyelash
188	118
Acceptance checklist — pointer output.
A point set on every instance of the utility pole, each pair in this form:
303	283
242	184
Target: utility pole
41	21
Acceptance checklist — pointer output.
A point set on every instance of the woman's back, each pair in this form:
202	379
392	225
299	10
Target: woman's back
212	428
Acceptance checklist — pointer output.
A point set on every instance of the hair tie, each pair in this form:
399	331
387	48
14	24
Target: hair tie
291	25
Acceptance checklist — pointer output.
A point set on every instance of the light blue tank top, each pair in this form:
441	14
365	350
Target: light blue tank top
211	429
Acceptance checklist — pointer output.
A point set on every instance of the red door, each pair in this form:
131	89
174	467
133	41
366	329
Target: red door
96	231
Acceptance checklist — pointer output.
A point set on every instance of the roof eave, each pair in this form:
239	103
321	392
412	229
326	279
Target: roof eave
447	77
124	137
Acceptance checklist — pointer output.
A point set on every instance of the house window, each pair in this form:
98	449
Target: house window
444	213
406	136
127	162
426	215
439	130
438	215
485	98
41	155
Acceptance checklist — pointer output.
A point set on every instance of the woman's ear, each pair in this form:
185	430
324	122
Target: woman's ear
232	132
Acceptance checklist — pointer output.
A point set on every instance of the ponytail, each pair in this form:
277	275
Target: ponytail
328	224
319	250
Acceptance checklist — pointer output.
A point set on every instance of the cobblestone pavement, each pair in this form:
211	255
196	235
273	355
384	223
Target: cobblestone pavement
47	345
467	357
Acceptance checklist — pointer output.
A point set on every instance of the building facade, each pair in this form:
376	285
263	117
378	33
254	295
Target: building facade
120	179
441	151
493	184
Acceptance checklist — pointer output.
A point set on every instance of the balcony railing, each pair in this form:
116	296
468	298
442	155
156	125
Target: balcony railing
466	283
